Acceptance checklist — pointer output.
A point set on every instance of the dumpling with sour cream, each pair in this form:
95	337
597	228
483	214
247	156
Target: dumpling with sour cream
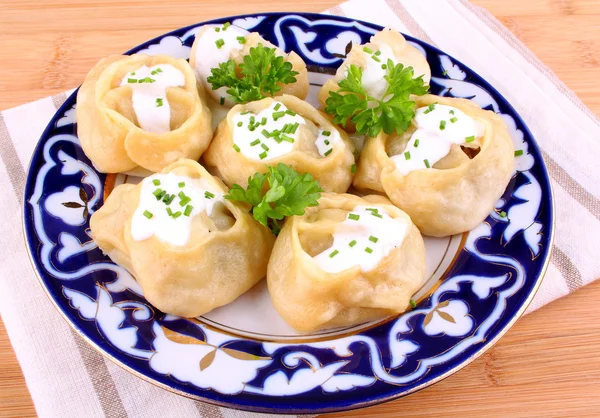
190	249
216	44
447	170
346	261
141	111
277	130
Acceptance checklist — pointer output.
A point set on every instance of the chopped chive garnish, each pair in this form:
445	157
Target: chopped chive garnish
263	155
148	215
442	125
226	25
263	146
176	215
328	152
427	163
327	142
209	195
169	199
290	112
452	112
158	70
294	127
252	120
407	155
188	210
277	115
157	193
181	184
373	239
368	250
153	72
159	102
416	143
375	58
133	73
502	214
156	182
353	168
367	50
184	201
453	119
219	42
383	66
445	73
373	210
470	138
266	133
217	29
181	195
352	243
236	148
131	80
222	101
169	212
377	53
240	124
241	39
255	142
430	108
353	216
161	195
277	106
326	133
377	215
518	153
333	253
413	304
263	121
287	138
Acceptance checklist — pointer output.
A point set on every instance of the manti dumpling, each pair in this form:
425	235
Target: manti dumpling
346	261
215	44
372	58
190	249
447	170
281	130
141	110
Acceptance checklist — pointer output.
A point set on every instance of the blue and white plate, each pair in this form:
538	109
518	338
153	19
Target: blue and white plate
244	355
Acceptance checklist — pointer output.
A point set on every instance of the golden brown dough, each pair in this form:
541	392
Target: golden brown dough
309	298
107	126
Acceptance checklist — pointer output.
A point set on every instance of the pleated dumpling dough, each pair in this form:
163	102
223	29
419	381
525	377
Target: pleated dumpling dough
446	171
281	130
141	110
347	261
190	249
215	44
387	44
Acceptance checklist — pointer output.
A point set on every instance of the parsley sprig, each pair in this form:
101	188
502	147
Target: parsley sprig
280	192
262	72
392	113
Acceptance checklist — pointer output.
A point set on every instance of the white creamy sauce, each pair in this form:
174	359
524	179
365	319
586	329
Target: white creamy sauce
326	140
264	142
213	47
149	95
170	221
438	127
373	74
364	238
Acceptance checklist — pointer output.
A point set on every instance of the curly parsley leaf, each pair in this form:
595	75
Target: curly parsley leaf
371	115
261	75
281	192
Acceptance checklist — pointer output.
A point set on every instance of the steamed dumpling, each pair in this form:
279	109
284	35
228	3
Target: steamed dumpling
447	170
281	130
190	249
141	110
347	261
215	44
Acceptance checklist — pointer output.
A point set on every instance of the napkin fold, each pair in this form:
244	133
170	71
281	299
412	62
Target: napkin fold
67	378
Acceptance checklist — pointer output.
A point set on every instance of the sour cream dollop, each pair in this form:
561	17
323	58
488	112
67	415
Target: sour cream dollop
168	203
364	238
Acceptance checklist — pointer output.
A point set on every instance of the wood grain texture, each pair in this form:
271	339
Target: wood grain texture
547	365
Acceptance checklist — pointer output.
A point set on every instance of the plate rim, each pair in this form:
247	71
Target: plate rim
487	345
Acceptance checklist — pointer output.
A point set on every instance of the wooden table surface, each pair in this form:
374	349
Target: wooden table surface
547	365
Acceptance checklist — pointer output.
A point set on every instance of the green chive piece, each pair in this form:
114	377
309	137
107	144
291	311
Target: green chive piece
181	184
169	199
220	42
217	29
290	112
277	115
169	212
263	146
294	127
240	124
326	133
133	73
161	195
518	153
255	142
353	216
470	138
445	73
241	39
407	155
373	239
427	163
209	195
326	142
413	304
442	125
430	108
263	155
222	101
416	143
157	192
153	72
226	25
375	58
252	120
453	119
263	121
368	250
236	148
502	214
329	151
333	253
156	182
188	210
176	215
182	195
277	106
148	215
158	70
377	215
266	133
373	210
184	201
383	66
352	243
353	168
377	53
131	80
159	102
287	138
367	50
452	112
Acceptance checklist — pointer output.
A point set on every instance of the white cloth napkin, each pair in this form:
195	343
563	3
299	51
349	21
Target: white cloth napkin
67	378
